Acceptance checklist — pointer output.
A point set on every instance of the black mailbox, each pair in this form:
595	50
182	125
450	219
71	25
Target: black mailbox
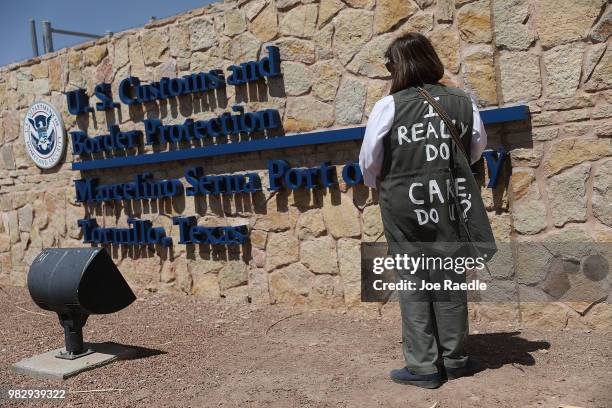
76	283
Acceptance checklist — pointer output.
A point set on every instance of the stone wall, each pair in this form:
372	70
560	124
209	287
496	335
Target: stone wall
552	55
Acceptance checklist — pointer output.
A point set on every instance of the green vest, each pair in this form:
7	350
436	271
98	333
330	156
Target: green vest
417	188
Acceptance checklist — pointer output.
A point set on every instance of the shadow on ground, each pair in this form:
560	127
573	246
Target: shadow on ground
125	351
495	350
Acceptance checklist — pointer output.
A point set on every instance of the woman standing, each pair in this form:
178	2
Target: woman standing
427	194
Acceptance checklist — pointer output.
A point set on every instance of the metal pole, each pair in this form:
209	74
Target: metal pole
33	37
47	36
73	337
75	33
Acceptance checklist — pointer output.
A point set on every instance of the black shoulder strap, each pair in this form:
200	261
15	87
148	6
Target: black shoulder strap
447	120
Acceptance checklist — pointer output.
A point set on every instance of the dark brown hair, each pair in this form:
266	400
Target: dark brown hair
413	61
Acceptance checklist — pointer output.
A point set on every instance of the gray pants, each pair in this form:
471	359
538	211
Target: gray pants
434	325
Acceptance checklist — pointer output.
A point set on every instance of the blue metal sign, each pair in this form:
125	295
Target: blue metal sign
281	142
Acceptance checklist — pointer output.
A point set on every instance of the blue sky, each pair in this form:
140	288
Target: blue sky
94	17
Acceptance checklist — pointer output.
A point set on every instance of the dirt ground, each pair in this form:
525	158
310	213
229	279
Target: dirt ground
198	353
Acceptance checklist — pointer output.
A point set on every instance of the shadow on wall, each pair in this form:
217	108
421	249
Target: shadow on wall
507	137
255	204
203	251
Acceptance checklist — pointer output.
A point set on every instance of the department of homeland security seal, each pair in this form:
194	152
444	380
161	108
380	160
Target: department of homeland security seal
44	135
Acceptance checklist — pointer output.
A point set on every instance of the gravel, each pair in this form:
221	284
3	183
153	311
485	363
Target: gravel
199	353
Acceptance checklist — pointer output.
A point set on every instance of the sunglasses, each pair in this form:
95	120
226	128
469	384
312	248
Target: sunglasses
389	65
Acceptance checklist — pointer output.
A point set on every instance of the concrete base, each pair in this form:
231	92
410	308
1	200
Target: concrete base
46	365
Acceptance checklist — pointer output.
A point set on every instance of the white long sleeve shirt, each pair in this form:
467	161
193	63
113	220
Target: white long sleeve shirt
380	122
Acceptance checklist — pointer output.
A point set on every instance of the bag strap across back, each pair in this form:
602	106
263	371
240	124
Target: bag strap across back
446	119
457	139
